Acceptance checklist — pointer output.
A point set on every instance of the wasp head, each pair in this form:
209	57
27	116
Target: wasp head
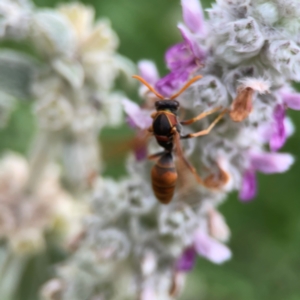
171	105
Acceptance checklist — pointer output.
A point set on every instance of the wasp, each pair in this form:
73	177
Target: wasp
166	127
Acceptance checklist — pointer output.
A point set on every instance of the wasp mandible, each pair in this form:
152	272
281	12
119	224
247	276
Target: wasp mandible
166	128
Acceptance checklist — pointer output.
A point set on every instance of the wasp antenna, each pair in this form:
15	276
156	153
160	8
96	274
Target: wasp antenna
148	86
185	86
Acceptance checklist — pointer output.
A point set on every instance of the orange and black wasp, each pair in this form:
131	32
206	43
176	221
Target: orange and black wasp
166	128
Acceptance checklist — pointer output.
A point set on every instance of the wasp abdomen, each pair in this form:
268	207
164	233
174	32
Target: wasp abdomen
164	177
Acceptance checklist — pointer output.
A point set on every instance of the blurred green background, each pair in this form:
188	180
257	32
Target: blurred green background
265	233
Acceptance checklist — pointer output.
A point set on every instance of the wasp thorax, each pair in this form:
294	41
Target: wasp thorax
171	105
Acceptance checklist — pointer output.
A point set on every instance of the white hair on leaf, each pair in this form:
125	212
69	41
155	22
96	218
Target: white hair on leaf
259	85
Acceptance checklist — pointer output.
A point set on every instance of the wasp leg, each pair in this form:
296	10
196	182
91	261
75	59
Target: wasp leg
182	157
206	131
200	116
156	155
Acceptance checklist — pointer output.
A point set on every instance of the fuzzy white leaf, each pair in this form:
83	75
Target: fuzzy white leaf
51	33
71	70
16	73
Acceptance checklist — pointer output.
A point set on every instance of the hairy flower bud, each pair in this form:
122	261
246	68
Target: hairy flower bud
240	40
285	57
208	93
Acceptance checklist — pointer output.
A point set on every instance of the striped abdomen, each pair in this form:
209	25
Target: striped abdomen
164	177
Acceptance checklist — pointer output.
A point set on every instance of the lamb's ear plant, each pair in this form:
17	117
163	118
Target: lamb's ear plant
70	82
123	244
136	248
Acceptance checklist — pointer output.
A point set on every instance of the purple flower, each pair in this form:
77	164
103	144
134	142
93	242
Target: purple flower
205	246
187	260
172	82
210	248
140	146
279	135
148	70
193	15
248	189
177	56
185	58
137	117
279	131
292	100
140	153
182	62
269	163
192	43
266	163
280	128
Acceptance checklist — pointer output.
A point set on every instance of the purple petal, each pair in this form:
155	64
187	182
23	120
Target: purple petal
178	56
172	82
279	135
130	122
182	59
148	70
289	126
169	84
292	100
193	15
271	162
140	151
248	188
264	132
148	293
187	260
137	116
210	248
192	42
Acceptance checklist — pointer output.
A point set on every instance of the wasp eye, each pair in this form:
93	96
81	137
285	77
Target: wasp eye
158	104
167	104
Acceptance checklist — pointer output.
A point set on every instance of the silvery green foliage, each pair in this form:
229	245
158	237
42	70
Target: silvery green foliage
73	88
257	30
129	242
71	84
16	69
16	74
14	18
6	106
247	53
25	217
